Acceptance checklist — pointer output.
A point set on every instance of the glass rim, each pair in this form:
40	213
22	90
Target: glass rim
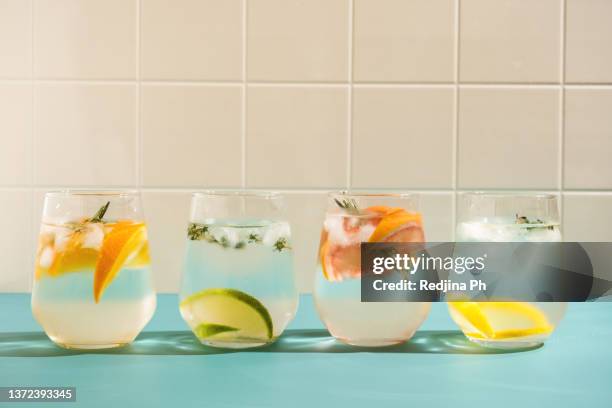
372	194
92	193
260	194
509	194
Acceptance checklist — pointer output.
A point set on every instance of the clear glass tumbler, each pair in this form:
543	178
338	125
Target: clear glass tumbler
238	287
92	287
506	217
350	220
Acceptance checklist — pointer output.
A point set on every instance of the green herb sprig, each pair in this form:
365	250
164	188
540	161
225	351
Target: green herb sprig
201	232
525	220
349	205
99	215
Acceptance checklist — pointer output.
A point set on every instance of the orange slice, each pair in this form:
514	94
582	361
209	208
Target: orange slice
399	226
142	258
73	257
124	239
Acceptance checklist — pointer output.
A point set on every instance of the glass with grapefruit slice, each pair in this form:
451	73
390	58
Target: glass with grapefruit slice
350	220
92	283
507	217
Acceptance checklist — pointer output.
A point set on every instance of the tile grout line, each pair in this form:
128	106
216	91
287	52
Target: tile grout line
139	143
243	129
349	147
561	152
33	226
455	143
314	84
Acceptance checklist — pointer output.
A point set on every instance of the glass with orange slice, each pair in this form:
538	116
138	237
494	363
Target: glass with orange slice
92	284
350	220
507	217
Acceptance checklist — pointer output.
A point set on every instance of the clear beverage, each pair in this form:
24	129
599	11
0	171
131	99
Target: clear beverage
238	287
349	221
507	218
92	286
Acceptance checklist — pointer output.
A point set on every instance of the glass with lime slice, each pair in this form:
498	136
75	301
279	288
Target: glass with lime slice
238	288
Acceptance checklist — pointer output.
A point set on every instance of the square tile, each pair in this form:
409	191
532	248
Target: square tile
191	39
402	138
15	134
296	137
167	216
306	213
295	40
588	41
397	40
93	39
588	139
587	217
15	38
17	262
508	138
191	135
510	41
85	135
437	210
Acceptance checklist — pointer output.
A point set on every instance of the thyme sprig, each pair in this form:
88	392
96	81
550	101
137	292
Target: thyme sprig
525	220
281	243
201	232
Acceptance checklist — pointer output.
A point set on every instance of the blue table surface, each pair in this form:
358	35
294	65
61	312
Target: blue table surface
166	367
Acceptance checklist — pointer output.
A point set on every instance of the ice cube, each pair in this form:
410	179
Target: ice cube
276	231
338	234
225	235
46	257
93	236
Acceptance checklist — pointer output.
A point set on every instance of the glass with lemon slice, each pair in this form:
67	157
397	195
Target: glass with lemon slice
350	220
92	285
238	287
493	217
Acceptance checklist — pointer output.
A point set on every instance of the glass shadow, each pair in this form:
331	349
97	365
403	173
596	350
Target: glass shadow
160	343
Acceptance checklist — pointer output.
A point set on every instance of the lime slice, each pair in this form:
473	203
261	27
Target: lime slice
228	313
205	330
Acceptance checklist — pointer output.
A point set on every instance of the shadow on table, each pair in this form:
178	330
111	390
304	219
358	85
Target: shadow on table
32	344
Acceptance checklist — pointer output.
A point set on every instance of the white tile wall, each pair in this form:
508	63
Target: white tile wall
301	96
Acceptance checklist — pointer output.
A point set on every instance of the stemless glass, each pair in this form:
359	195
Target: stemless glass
498	217
238	287
92	286
350	220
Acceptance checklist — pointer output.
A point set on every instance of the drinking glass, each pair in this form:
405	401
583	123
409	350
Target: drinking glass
500	217
92	287
238	287
351	219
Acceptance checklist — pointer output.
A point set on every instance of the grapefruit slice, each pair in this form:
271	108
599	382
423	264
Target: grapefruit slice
122	241
340	262
399	226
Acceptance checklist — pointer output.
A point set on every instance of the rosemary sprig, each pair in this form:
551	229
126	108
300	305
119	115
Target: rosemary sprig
349	205
99	215
525	220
